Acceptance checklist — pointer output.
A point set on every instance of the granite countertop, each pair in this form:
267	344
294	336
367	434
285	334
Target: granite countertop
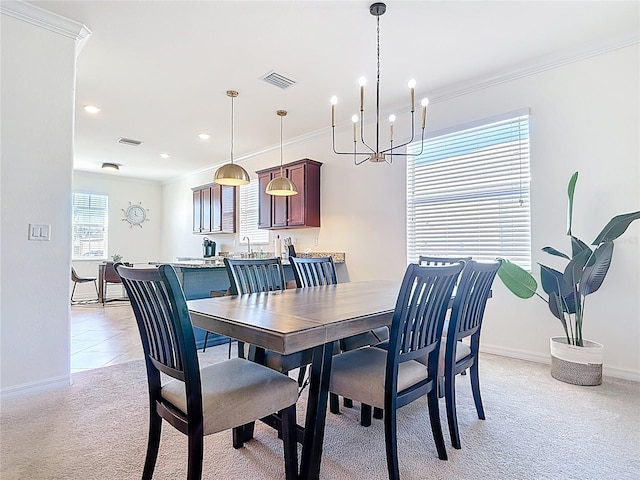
217	262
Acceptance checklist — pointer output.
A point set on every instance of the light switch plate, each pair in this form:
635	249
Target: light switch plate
39	232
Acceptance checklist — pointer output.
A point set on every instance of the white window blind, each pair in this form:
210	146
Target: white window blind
468	193
249	215
90	225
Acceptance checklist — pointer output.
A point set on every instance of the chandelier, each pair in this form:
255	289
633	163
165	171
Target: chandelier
377	155
231	173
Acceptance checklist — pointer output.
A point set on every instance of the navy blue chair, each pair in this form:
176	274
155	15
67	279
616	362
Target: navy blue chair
227	395
472	293
391	378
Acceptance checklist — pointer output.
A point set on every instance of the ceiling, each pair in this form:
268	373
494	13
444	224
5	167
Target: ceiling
159	70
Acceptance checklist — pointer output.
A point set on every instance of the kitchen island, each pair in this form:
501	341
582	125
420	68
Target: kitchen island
203	278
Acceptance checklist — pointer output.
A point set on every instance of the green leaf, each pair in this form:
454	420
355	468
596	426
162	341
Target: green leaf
555	305
570	191
616	227
557	253
553	283
520	282
573	271
551	280
578	245
593	275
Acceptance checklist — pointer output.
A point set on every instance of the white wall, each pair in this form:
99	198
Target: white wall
584	116
38	79
135	244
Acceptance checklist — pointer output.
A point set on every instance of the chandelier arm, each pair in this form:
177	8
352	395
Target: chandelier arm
362	132
406	154
333	144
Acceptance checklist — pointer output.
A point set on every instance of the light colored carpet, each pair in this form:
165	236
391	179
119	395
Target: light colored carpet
536	428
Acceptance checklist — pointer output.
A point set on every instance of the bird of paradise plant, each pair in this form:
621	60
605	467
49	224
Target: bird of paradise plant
583	275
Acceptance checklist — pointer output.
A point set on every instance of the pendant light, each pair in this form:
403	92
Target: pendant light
281	186
231	173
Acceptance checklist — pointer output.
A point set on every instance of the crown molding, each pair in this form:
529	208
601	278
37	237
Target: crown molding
548	63
44	19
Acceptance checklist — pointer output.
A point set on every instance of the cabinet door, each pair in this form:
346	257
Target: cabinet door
296	203
216	210
279	218
205	200
197	211
228	209
264	201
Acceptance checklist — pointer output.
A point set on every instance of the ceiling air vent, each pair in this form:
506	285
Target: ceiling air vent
278	80
128	141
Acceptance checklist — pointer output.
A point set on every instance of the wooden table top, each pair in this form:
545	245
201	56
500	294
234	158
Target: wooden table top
292	320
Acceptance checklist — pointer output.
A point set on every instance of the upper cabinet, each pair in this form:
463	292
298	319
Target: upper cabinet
214	209
295	211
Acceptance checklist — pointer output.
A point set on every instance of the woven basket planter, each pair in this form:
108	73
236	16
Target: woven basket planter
576	365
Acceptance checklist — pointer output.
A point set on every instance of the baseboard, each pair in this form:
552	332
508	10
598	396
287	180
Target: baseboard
28	389
537	357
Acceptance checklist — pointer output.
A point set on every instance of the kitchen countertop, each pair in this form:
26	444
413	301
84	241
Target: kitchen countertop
217	262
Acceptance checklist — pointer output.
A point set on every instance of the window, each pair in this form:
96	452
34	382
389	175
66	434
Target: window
249	215
90	221
468	192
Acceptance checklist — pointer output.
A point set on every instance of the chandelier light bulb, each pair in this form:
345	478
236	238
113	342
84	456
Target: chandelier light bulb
334	100
354	118
392	118
425	102
412	83
362	82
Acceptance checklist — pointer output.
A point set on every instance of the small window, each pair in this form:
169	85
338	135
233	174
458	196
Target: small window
249	215
90	222
468	192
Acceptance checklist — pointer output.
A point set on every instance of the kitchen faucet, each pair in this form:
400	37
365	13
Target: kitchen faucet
248	245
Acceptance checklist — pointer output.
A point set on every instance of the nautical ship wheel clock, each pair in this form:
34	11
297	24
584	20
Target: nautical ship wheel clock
135	214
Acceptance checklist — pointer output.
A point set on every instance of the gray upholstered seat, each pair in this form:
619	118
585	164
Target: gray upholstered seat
230	390
361	374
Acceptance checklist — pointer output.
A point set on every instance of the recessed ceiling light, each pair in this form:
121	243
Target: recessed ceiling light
204	136
111	166
91	109
165	155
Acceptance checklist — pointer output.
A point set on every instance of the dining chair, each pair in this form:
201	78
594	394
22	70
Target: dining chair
391	378
264	275
314	272
110	276
199	401
456	356
76	279
423	260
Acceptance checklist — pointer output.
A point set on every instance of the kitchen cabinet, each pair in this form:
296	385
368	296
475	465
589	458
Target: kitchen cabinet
214	209
296	211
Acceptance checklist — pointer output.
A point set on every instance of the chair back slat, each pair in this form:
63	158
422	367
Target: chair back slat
313	272
429	260
163	319
471	298
253	276
420	311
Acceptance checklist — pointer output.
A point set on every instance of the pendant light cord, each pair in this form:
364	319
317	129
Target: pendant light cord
378	85
232	129
281	171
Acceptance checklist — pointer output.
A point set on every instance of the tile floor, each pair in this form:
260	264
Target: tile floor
103	335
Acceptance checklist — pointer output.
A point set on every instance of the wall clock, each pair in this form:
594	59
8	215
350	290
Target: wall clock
135	214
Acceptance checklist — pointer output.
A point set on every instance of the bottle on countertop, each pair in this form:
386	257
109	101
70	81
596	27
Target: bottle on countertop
277	247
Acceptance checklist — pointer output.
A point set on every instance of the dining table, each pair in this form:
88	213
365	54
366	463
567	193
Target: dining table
289	321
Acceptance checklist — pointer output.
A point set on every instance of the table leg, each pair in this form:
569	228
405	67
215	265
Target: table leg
316	412
101	283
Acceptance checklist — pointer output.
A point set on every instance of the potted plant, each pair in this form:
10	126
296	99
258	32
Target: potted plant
116	257
573	358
